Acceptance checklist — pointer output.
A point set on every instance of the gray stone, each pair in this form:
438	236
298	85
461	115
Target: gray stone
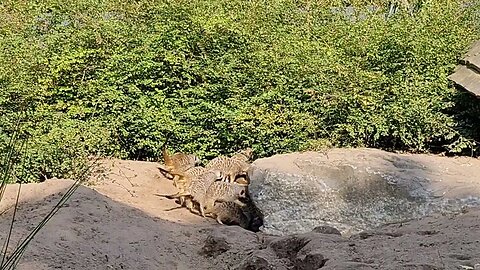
254	262
358	189
312	261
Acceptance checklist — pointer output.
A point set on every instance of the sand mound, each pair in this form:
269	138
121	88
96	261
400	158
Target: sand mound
116	222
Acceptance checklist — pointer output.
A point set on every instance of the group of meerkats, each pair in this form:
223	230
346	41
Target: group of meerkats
219	190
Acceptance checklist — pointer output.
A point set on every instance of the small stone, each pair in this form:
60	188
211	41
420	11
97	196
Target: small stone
254	262
326	230
288	247
312	261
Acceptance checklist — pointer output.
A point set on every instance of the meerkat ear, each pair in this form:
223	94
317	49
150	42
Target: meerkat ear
197	160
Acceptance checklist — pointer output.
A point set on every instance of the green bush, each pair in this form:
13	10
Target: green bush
117	77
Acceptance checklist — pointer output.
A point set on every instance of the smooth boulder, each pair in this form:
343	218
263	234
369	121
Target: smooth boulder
358	189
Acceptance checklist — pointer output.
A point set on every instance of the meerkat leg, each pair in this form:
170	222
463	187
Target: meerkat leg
238	202
209	205
190	206
219	220
202	212
176	179
182	200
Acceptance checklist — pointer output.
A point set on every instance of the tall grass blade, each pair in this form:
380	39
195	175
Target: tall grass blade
7	241
8	161
15	150
15	257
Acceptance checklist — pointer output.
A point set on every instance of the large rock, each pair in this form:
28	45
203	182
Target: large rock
357	189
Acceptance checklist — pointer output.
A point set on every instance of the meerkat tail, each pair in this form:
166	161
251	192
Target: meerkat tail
166	157
173	208
173	196
165	172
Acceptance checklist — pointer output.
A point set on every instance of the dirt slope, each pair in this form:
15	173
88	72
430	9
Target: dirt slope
117	222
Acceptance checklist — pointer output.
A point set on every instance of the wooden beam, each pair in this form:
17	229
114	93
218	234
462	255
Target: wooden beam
467	79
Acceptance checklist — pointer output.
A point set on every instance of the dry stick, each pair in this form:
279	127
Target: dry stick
124	187
126	177
440	257
6	210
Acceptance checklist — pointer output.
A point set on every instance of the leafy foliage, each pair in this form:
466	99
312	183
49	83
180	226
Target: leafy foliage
116	77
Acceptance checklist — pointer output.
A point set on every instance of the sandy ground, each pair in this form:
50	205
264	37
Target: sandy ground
116	222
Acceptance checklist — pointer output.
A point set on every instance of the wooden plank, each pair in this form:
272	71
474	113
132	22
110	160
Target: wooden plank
467	78
473	62
474	49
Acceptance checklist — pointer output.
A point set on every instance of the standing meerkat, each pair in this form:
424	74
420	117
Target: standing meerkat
229	213
184	181
223	192
177	163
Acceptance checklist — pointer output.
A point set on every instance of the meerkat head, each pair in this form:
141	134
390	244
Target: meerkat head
218	174
242	181
240	190
247	153
195	159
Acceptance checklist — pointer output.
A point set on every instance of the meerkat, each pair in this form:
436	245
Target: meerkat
184	181
223	192
198	187
177	163
243	180
230	167
229	213
186	176
253	214
244	155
